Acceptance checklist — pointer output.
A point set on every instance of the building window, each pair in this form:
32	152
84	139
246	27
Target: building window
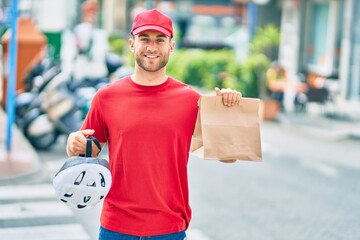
323	36
319	35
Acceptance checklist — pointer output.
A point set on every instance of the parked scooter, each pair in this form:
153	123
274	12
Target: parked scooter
57	103
30	117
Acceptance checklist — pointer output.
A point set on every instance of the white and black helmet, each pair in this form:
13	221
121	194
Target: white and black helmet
84	181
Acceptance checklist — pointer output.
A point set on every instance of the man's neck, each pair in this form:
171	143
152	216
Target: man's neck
149	78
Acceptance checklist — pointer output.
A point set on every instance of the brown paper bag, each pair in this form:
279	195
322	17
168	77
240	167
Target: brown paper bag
227	133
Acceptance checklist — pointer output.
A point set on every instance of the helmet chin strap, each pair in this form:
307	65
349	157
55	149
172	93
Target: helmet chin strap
89	141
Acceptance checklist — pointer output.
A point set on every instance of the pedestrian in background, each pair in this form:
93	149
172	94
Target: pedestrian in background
84	49
147	119
276	82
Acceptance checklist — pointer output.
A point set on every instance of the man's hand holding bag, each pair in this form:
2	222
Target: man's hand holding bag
227	133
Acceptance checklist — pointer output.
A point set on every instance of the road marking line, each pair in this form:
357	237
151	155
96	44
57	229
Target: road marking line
322	168
48	232
24	192
34	210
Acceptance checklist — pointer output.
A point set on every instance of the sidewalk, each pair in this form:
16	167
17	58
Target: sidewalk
22	160
343	122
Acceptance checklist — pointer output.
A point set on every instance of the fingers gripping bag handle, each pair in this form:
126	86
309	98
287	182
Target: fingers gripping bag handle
83	181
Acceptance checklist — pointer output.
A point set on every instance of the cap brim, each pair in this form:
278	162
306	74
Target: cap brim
151	27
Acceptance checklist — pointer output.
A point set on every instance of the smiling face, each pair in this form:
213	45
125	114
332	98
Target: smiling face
152	50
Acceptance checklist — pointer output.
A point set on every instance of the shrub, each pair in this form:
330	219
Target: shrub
205	68
208	69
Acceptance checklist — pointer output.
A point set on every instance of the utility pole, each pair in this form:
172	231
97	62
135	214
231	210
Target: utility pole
11	85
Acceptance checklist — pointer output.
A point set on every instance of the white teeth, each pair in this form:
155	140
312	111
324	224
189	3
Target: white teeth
151	56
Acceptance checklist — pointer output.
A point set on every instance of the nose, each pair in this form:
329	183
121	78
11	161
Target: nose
151	46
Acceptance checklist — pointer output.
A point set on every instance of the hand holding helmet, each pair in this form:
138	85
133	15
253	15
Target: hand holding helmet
83	181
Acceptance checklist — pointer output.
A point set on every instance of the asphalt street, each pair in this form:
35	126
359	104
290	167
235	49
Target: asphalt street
305	188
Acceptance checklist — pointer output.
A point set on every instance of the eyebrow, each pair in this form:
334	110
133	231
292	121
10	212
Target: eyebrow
147	35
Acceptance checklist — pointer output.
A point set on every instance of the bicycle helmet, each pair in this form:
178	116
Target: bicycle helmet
83	181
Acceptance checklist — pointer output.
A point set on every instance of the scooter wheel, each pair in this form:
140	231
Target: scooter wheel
39	130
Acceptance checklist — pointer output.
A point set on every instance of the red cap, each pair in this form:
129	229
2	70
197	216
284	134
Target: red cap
152	20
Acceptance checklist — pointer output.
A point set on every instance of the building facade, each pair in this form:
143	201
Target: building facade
321	39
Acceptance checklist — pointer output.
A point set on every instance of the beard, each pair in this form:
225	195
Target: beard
151	67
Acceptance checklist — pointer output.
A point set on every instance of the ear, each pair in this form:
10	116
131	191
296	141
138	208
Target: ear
131	44
172	46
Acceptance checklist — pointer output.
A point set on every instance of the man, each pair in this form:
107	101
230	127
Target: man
148	120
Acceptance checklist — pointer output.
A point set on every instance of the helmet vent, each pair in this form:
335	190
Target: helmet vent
86	199
91	184
80	178
102	180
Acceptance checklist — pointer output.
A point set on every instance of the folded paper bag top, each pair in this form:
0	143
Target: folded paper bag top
227	133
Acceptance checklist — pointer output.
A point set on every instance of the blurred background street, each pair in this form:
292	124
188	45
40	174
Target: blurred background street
301	58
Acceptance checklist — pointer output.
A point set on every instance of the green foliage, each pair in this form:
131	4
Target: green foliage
117	43
266	41
205	68
254	71
264	47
